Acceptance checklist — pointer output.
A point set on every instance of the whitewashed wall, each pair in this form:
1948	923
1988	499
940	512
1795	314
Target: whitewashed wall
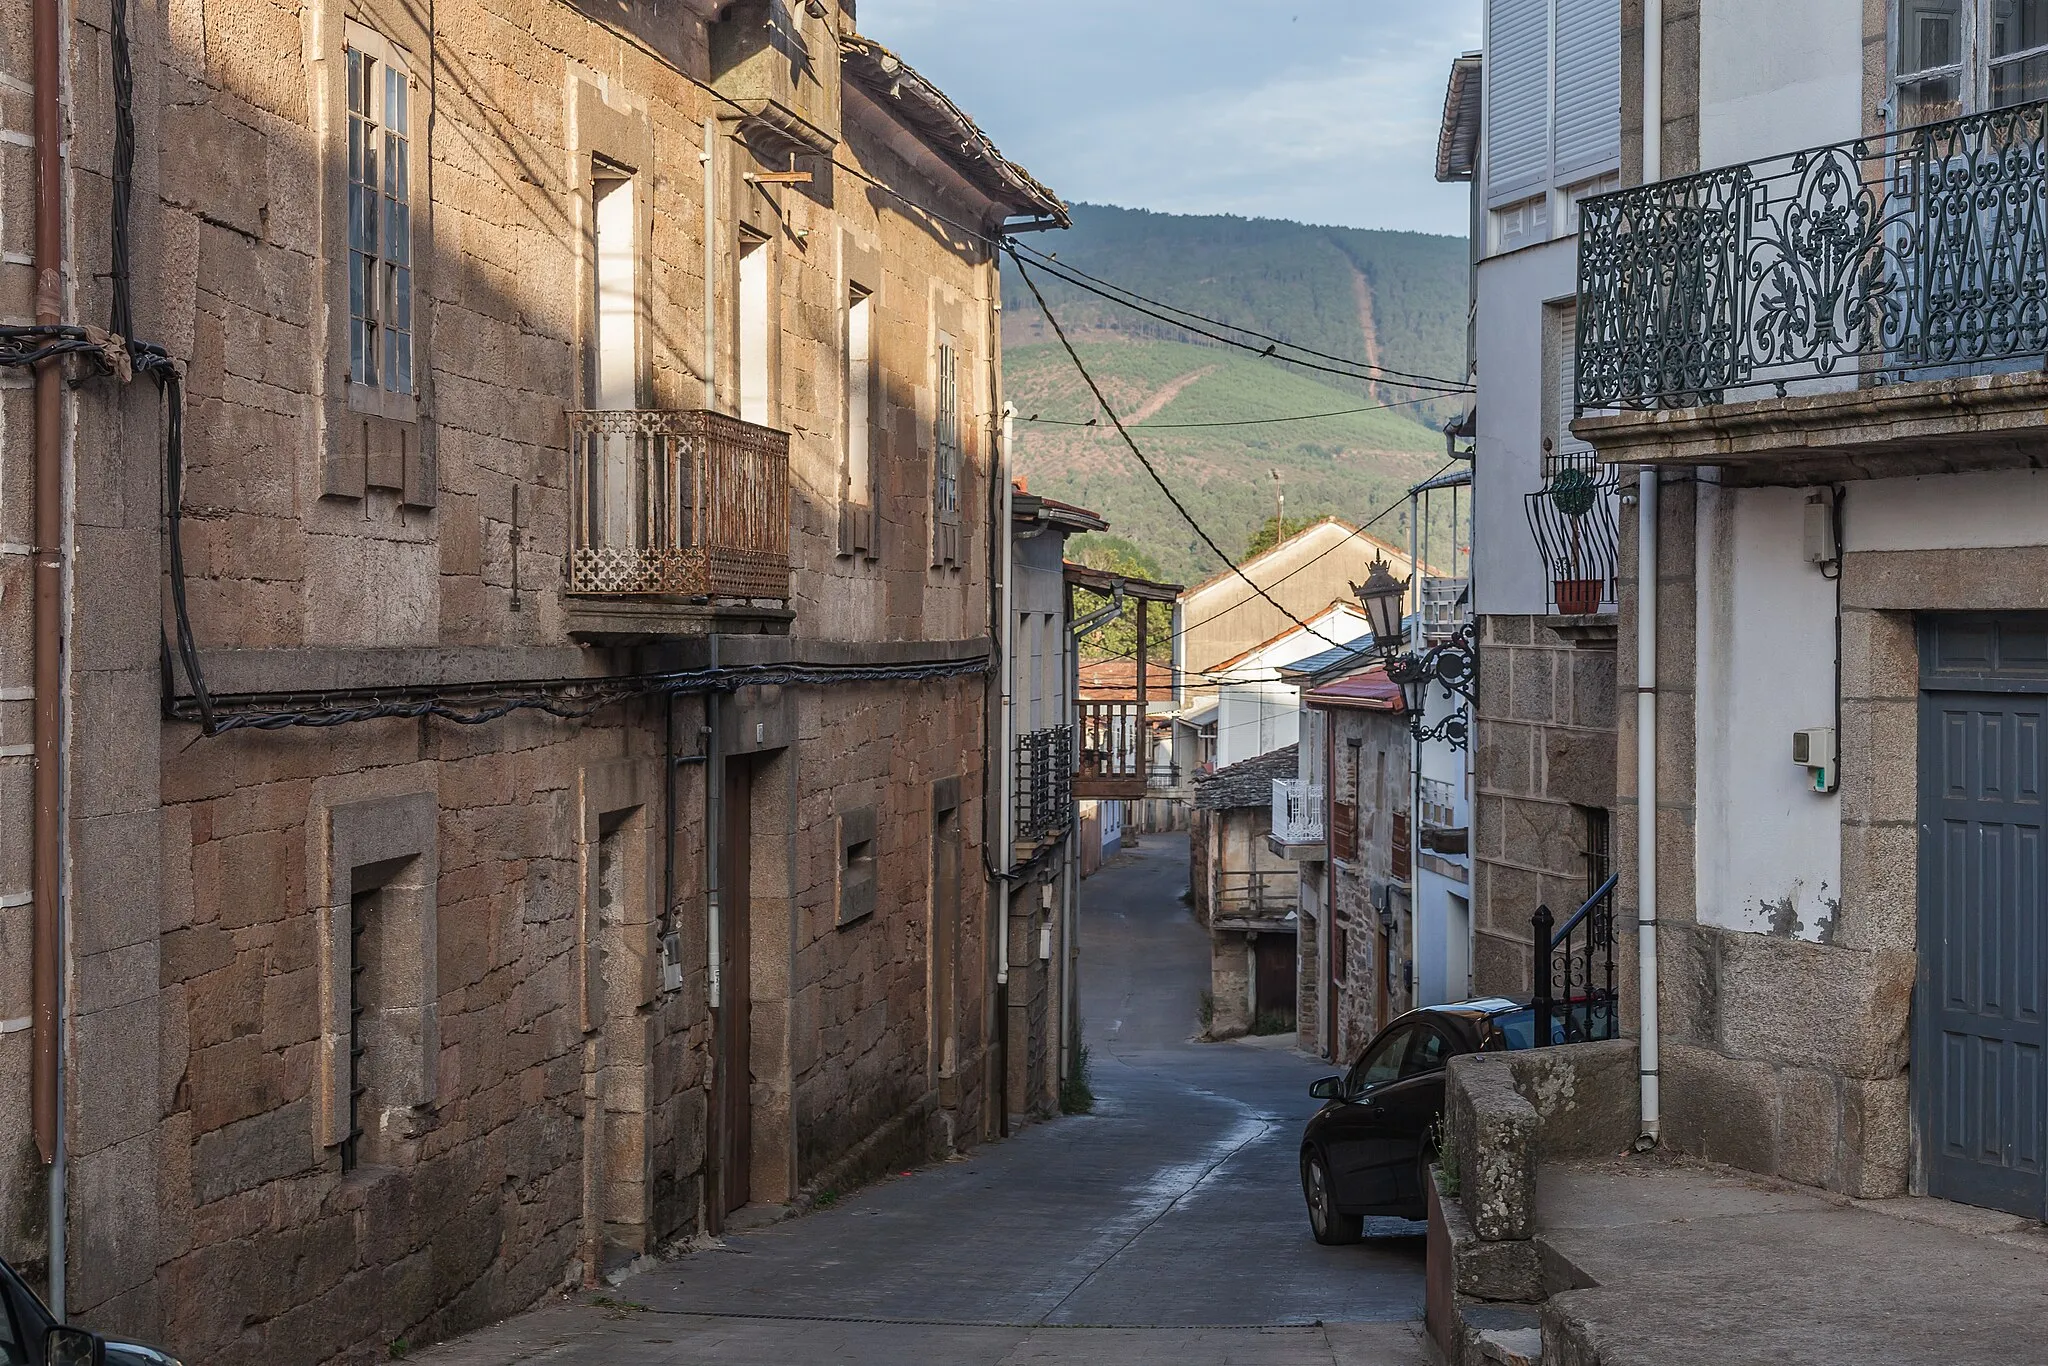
1508	573
1777	76
1769	850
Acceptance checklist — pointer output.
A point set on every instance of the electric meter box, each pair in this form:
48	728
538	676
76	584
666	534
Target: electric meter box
1815	750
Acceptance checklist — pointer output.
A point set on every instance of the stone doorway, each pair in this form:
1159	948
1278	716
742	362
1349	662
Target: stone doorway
1980	1087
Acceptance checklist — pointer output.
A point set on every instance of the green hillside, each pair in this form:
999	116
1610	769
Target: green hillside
1344	466
1396	298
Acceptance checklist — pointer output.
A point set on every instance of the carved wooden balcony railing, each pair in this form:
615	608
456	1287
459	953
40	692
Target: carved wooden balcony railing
671	503
1112	750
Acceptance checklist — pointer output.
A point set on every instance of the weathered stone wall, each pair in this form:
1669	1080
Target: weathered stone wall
1383	750
1545	742
539	1106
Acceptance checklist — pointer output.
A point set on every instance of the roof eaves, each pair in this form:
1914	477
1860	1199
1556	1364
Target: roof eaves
1457	142
946	129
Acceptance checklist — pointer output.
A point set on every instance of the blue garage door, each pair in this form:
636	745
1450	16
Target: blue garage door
1981	1036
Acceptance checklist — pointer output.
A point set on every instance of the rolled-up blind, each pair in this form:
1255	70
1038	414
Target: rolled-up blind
1517	101
1588	118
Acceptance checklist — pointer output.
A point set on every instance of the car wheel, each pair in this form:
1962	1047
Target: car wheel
1331	1225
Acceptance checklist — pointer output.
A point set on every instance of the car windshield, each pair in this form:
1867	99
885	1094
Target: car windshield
1570	1023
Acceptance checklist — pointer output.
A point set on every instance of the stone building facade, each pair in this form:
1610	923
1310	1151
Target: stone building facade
1246	894
1357	932
1848	622
579	835
1544	587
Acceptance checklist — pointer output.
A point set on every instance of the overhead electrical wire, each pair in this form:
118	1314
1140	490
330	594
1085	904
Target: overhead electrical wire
1332	549
1236	422
1145	461
1346	369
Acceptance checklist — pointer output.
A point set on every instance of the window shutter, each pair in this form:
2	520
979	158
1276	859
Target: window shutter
1588	123
1517	95
1566	450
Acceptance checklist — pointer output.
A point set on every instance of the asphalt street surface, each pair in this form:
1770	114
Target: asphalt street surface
1166	1226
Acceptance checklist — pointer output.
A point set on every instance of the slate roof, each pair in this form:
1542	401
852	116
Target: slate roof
1248	782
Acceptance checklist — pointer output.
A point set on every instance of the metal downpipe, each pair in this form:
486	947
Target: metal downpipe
1646	648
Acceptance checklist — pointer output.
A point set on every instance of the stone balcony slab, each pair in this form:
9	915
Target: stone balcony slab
1946	426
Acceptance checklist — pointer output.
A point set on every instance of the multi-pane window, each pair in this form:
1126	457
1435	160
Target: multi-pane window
946	437
1954	57
379	216
946	433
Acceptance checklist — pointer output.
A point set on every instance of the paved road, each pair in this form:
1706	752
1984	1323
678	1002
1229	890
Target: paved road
1166	1226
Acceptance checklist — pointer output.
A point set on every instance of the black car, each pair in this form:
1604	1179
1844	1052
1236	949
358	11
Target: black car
1368	1150
30	1336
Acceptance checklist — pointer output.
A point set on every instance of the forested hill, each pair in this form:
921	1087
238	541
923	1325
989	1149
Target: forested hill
1394	298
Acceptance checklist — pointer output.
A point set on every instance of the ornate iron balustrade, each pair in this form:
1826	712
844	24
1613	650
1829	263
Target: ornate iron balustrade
1575	999
1297	811
1572	519
1045	783
1873	261
677	503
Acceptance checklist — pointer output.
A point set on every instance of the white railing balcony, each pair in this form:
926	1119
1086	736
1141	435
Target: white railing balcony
1297	811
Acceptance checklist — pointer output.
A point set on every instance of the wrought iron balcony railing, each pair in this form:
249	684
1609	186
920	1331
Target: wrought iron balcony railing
677	503
1045	783
1297	811
1917	255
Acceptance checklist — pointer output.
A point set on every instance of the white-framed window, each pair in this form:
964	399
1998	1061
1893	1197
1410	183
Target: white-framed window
1955	57
757	323
860	485
380	258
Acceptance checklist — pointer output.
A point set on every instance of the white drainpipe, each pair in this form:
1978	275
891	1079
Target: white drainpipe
1646	642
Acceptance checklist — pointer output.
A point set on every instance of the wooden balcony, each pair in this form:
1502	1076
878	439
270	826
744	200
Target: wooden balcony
1111	751
675	516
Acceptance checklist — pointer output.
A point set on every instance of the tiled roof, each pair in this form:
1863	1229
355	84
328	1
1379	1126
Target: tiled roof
1246	783
1112	679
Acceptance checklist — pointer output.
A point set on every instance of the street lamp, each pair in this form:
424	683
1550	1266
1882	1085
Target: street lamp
1382	596
1454	663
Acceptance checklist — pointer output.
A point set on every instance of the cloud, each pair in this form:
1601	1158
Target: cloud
1328	114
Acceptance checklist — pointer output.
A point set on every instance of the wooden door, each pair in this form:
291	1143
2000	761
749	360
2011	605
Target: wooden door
735	1073
945	948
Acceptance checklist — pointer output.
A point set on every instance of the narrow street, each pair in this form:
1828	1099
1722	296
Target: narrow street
1165	1226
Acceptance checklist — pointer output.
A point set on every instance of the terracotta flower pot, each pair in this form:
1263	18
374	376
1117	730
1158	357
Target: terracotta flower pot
1578	597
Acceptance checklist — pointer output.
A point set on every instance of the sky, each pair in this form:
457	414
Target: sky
1324	111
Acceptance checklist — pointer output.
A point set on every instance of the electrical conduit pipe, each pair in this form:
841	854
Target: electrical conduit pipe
46	876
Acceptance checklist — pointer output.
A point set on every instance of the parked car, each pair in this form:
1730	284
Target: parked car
1368	1150
30	1336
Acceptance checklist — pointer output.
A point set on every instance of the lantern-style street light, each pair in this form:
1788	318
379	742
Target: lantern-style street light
1382	596
1454	663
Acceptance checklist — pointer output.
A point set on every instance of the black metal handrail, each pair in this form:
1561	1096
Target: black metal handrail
1589	1001
1875	260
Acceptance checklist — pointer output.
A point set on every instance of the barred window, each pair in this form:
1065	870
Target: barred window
379	215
